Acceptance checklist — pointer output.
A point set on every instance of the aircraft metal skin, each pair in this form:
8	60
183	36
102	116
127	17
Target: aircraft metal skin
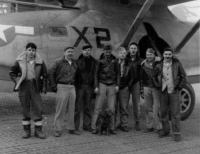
106	22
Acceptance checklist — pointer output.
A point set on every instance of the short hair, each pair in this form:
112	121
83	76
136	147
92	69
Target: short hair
31	45
168	49
107	47
134	43
121	49
150	50
69	47
86	46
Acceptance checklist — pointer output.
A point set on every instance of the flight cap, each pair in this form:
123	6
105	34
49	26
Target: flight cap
107	47
86	46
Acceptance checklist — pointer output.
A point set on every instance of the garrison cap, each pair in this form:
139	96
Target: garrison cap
69	47
107	47
86	46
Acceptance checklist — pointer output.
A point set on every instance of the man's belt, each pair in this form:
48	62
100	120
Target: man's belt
30	80
66	83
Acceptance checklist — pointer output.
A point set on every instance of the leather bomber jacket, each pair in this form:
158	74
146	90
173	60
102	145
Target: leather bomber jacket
107	72
40	71
84	77
178	73
55	72
128	75
136	65
146	75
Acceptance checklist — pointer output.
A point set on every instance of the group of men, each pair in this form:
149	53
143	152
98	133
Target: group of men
111	79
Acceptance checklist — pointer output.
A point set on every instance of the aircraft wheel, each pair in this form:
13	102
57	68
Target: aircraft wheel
187	96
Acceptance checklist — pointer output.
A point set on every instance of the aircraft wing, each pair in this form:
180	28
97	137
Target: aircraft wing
174	2
40	5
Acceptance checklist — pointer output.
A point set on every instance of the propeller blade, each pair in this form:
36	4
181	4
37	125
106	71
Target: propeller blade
187	37
41	5
136	23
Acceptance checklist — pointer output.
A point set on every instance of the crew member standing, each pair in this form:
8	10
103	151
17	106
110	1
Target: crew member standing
62	75
30	76
126	80
134	57
151	93
107	80
85	87
170	77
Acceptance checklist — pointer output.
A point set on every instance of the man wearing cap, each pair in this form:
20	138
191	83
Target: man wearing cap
107	78
62	75
85	86
30	76
151	94
170	77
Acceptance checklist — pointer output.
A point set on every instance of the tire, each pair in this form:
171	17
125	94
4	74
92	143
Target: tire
187	104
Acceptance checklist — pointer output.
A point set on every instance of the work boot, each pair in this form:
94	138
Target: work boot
94	131
137	126
113	132
57	133
27	131
75	132
147	130
87	128
177	137
163	134
124	128
39	133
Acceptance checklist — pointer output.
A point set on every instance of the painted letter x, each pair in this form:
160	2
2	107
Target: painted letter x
81	36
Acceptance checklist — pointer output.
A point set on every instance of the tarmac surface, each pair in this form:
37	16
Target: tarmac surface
133	142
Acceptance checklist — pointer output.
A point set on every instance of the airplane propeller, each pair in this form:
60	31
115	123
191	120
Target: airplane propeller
187	37
136	23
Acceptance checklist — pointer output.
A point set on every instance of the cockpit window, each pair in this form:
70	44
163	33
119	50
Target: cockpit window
124	2
5	8
58	32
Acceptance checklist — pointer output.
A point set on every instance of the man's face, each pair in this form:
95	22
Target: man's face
133	49
87	52
167	56
31	52
107	52
69	53
150	56
122	54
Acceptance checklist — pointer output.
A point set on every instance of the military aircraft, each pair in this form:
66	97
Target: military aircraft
96	22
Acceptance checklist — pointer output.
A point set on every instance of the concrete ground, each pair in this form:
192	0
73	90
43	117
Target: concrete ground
132	142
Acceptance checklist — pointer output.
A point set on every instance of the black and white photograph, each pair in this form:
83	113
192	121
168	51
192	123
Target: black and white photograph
99	76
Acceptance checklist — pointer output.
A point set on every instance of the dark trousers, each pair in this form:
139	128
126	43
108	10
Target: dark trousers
135	92
170	103
123	97
31	101
83	99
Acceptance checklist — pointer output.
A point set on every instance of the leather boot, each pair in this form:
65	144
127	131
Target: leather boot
27	131
39	133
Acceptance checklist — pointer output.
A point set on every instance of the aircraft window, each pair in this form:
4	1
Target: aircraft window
58	32
124	2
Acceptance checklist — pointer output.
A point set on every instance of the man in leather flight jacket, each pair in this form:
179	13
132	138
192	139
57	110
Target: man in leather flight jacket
107	79
170	77
126	81
30	76
85	87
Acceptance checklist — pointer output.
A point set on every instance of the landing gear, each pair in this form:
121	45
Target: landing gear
187	96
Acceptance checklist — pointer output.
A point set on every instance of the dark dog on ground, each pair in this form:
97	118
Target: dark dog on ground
103	122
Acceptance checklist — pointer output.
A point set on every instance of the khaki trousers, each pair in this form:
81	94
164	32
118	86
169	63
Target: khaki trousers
65	105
